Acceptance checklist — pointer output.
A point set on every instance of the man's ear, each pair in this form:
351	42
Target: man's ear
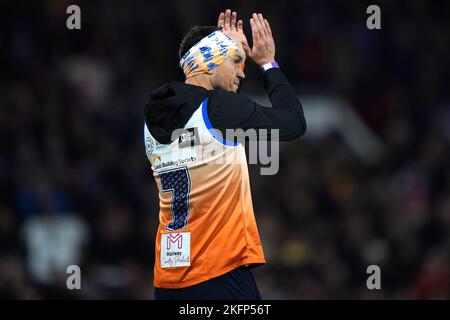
211	79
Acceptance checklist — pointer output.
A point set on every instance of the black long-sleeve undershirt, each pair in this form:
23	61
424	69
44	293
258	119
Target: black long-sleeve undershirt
171	106
228	110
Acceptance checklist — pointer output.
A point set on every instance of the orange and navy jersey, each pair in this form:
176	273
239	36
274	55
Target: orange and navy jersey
207	225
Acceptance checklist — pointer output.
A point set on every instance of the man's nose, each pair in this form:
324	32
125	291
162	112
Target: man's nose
241	75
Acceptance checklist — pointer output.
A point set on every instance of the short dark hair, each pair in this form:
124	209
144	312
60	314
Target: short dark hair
194	35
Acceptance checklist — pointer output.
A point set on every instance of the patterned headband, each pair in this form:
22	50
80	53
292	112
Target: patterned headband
207	54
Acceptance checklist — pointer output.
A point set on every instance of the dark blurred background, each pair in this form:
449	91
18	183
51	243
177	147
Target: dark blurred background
76	187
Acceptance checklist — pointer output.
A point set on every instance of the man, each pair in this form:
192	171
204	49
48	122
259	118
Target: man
207	239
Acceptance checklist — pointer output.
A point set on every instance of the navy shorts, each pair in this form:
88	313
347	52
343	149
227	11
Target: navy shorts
237	284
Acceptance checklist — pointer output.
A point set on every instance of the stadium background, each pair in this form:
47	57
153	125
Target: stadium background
76	187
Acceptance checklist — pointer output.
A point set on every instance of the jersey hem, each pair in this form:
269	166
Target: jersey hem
179	285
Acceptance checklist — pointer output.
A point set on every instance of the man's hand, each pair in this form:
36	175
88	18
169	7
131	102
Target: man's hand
227	22
263	50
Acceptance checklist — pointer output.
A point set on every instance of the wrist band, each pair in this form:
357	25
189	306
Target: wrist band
268	66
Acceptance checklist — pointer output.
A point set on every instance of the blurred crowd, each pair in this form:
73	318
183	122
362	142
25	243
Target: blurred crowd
76	187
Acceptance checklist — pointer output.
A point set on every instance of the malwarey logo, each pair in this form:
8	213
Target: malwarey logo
175	249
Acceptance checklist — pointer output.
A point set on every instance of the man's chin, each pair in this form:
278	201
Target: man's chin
234	88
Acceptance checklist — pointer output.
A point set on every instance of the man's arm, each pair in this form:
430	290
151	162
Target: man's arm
228	110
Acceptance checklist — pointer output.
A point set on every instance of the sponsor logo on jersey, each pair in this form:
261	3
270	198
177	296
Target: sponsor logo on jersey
175	249
189	138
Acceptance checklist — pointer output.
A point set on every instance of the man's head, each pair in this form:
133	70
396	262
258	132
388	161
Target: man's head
194	35
225	74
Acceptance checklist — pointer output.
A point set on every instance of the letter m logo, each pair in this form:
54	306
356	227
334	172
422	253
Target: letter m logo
175	238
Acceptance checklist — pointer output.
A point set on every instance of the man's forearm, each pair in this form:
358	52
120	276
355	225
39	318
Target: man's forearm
283	96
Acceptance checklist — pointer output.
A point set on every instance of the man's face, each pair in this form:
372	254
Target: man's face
229	74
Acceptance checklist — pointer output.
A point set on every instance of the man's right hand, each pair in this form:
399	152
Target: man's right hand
263	50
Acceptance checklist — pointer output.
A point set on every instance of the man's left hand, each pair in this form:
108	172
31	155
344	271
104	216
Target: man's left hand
232	28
